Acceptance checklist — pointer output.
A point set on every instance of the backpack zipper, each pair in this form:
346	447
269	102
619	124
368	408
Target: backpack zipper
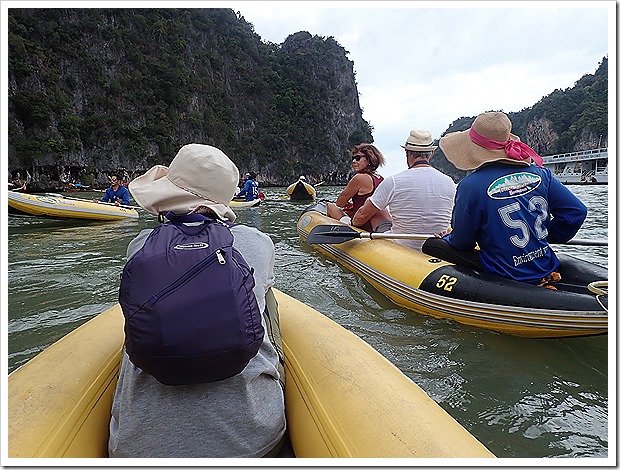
196	269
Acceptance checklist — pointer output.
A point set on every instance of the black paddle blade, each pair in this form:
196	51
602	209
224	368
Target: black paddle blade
331	234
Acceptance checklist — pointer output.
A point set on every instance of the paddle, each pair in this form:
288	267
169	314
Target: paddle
87	200
335	234
585	242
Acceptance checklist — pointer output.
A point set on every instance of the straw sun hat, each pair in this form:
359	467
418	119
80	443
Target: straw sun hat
419	141
199	175
487	140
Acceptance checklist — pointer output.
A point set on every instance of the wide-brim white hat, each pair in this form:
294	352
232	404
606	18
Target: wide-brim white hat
199	175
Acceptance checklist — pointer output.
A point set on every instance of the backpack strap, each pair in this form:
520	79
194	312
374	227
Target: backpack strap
179	222
181	219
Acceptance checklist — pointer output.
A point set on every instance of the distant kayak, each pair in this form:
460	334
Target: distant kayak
61	207
241	202
301	191
238	203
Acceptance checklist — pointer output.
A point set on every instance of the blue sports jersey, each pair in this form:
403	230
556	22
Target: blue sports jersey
513	213
250	190
121	195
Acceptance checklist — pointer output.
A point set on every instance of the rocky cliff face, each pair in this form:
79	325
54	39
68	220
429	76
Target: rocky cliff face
94	91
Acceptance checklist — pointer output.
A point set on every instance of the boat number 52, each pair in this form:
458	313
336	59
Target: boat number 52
446	282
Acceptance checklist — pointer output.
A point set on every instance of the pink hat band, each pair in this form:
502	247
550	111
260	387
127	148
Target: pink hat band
514	149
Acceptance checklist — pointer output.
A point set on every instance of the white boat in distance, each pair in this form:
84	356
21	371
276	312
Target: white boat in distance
585	167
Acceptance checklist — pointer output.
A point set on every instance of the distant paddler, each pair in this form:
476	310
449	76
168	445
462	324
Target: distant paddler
116	193
250	188
301	190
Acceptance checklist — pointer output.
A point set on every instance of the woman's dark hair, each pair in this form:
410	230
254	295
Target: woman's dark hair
373	155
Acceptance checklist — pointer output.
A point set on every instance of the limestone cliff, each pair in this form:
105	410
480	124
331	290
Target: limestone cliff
562	122
92	91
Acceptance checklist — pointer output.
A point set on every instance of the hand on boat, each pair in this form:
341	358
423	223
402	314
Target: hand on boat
444	233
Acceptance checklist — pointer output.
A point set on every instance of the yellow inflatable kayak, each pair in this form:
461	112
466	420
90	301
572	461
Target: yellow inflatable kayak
239	204
65	207
301	191
430	286
343	399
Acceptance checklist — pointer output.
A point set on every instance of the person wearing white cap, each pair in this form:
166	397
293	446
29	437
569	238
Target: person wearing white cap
510	206
419	199
240	416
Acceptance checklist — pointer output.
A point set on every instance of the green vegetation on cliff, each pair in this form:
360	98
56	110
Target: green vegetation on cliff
125	88
562	122
93	91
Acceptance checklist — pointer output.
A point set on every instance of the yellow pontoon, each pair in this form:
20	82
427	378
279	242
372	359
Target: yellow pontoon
343	399
301	191
66	208
430	286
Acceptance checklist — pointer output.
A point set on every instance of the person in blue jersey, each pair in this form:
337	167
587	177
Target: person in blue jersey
510	206
250	188
116	193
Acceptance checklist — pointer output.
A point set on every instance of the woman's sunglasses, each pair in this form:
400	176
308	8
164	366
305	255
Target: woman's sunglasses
357	157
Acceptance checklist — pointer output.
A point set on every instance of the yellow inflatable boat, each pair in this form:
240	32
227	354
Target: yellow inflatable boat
65	207
343	399
301	191
242	203
430	286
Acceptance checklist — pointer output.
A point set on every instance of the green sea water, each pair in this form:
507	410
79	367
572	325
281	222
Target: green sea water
521	397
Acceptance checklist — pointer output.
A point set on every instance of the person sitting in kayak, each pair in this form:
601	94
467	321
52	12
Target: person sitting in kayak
116	193
510	206
239	416
420	198
365	158
250	188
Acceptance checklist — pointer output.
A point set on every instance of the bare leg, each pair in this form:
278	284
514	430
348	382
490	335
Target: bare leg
334	211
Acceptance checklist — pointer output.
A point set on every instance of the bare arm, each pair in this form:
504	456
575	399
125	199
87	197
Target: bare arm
364	214
351	189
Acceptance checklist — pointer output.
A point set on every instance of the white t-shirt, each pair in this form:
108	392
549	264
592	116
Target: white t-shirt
420	200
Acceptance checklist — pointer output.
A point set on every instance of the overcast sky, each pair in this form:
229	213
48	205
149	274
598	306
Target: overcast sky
422	65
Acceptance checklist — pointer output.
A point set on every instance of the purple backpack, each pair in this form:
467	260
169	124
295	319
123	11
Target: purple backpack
190	313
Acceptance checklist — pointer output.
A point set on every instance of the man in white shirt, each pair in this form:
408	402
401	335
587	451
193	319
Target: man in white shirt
419	199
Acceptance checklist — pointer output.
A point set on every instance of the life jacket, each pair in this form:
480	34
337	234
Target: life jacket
191	315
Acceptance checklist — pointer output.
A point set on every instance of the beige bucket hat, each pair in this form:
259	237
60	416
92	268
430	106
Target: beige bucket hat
419	140
199	175
488	140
